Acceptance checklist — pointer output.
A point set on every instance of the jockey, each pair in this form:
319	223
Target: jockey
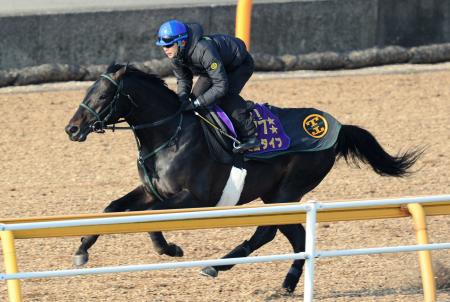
223	65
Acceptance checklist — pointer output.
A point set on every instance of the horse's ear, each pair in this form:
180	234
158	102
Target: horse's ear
119	73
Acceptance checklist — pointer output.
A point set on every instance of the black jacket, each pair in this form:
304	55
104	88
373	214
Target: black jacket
212	56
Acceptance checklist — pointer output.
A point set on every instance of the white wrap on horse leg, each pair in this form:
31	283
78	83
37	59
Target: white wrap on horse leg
233	189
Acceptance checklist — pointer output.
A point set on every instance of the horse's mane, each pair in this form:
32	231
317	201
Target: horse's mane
131	69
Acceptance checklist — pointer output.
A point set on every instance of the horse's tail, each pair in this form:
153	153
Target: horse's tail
355	143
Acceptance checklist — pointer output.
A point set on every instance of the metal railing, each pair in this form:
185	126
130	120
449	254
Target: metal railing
217	217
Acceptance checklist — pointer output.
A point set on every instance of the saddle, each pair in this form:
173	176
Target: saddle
220	147
280	130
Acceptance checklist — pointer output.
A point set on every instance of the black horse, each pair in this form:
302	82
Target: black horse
177	171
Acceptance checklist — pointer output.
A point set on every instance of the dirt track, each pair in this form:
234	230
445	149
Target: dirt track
43	173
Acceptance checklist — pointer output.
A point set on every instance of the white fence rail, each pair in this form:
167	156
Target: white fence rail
310	254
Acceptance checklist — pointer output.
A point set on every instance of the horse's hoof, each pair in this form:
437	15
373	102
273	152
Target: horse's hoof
287	291
80	259
174	250
289	284
209	271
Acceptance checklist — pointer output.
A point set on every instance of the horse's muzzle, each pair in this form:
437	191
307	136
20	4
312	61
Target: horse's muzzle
74	133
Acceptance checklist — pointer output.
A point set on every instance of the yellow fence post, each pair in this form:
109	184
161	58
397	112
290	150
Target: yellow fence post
426	265
243	21
9	254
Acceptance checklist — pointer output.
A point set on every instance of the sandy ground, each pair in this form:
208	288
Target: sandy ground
43	173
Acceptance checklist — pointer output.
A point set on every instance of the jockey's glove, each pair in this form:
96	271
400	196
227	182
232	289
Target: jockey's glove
183	98
187	106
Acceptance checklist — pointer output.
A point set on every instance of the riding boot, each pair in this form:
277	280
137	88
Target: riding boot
249	139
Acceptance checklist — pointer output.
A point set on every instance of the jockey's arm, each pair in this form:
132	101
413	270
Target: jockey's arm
184	80
212	63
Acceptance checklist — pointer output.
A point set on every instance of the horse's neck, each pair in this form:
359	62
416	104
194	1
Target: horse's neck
162	155
154	104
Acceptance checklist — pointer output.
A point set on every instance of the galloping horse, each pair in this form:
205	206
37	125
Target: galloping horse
177	170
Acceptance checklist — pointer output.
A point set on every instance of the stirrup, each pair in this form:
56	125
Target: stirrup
252	143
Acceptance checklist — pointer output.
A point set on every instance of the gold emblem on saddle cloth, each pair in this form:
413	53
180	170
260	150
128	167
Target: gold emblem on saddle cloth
315	125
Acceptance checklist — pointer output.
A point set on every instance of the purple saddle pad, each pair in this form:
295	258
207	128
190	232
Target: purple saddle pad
268	126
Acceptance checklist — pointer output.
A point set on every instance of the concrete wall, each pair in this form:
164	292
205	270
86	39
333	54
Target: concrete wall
291	27
413	22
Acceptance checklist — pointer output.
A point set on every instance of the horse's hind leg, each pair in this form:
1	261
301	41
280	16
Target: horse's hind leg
295	233
136	200
262	235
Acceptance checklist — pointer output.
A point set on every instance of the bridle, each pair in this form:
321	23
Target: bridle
101	124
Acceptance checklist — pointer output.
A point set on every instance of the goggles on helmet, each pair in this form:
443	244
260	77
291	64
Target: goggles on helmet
170	40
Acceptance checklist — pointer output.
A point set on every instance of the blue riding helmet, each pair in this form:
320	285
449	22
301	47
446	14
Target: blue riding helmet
171	32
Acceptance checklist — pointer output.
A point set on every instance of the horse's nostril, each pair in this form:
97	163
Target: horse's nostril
71	129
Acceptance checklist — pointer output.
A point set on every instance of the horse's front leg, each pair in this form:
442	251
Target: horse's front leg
136	200
181	200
